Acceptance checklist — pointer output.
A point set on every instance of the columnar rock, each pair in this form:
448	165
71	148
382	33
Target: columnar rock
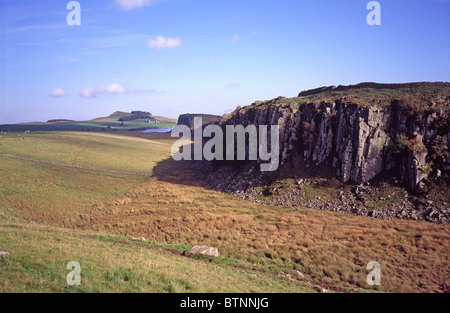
356	141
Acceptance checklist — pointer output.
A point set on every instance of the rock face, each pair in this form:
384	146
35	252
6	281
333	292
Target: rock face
357	142
204	250
401	144
188	119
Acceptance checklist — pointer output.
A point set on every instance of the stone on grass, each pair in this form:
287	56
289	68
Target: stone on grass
204	250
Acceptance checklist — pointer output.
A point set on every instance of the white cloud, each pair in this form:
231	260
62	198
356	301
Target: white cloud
113	88
133	4
88	93
58	93
110	89
164	43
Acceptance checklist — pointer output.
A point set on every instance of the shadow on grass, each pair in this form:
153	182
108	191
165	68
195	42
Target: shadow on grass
207	174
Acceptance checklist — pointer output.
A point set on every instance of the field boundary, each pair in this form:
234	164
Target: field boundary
76	166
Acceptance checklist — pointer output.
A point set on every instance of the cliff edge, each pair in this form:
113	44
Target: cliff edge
358	133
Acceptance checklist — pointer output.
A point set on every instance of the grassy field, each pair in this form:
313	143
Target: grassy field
119	151
44	209
39	258
80	126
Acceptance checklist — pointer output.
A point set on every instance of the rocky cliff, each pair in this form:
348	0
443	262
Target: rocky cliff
188	119
375	150
360	141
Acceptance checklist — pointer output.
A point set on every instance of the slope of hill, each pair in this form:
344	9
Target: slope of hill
112	263
52	214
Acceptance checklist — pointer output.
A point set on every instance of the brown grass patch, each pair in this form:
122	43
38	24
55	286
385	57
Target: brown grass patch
330	247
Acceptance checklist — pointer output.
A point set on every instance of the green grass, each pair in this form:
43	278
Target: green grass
56	194
79	126
39	256
111	151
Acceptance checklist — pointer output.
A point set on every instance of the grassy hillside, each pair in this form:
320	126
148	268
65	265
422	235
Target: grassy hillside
416	96
176	208
110	150
39	256
34	196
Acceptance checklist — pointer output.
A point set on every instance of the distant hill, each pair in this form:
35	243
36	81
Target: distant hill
117	121
60	121
134	116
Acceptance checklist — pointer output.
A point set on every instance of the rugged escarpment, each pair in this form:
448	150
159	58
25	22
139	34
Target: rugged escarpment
360	142
188	119
359	133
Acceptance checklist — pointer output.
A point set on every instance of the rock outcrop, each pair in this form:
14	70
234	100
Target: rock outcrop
357	141
188	119
387	146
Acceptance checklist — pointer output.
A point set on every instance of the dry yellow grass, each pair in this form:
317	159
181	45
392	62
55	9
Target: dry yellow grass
40	254
330	247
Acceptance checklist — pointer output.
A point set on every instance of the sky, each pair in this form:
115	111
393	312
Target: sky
170	57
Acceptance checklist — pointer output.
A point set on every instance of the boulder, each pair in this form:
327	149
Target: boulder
204	250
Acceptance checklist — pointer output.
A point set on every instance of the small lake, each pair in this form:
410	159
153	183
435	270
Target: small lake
157	130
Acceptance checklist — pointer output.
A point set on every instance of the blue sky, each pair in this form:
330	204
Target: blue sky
178	56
